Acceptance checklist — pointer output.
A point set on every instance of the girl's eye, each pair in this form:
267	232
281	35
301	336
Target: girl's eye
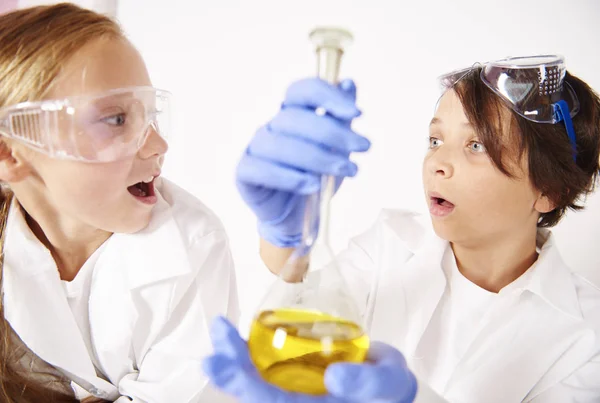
477	147
434	142
115	120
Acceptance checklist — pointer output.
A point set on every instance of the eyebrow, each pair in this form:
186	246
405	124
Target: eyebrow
436	121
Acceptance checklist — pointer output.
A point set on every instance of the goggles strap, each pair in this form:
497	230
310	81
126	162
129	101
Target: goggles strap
561	111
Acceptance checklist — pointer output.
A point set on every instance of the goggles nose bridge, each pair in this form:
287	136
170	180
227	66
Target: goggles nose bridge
151	125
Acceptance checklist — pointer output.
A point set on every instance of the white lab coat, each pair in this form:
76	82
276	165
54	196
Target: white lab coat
153	295
542	345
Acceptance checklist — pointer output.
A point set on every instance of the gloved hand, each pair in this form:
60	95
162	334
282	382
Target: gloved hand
386	379
286	158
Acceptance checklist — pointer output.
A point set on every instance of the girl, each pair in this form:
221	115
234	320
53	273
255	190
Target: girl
110	274
482	307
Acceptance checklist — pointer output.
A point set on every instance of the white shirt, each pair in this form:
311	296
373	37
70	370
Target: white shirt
77	292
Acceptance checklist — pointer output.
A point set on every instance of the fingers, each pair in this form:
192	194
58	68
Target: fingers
300	154
271	175
248	386
387	378
324	130
227	342
316	93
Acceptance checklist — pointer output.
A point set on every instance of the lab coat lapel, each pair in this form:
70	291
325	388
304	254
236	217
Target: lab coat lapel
30	280
135	268
424	283
408	293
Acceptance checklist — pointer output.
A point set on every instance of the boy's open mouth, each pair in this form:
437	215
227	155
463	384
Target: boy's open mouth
442	202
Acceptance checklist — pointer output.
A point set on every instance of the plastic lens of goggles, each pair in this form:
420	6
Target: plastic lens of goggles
449	80
532	86
101	128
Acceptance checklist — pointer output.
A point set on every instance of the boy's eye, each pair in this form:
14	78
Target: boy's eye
477	147
434	142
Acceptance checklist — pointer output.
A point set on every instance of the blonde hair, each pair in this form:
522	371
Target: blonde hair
34	45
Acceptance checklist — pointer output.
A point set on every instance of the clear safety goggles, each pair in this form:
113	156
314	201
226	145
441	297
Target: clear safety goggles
532	86
100	128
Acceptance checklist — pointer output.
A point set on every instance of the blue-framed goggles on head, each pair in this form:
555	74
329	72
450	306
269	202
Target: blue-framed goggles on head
532	86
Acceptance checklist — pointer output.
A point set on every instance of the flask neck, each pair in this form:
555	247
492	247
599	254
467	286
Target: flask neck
316	216
316	229
328	63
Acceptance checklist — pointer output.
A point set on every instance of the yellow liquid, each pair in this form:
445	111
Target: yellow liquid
292	348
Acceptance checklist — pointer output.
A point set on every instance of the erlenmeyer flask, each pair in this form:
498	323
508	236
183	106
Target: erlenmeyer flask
308	319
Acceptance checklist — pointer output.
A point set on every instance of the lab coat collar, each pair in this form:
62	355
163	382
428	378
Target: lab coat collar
51	333
551	279
28	255
143	252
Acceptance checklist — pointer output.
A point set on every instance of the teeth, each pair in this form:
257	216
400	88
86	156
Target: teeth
149	180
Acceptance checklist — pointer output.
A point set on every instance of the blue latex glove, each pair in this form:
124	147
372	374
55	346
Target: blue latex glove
386	379
286	158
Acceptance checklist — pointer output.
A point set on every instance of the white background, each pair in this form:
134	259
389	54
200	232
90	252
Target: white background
229	62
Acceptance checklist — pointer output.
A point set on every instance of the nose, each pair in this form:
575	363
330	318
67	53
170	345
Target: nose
440	164
153	144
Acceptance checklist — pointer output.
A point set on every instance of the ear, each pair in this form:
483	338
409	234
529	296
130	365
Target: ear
13	167
543	204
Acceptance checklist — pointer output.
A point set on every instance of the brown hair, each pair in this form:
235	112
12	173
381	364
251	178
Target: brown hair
552	169
34	44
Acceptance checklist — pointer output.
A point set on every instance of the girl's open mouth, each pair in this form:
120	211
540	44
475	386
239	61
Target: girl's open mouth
144	191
